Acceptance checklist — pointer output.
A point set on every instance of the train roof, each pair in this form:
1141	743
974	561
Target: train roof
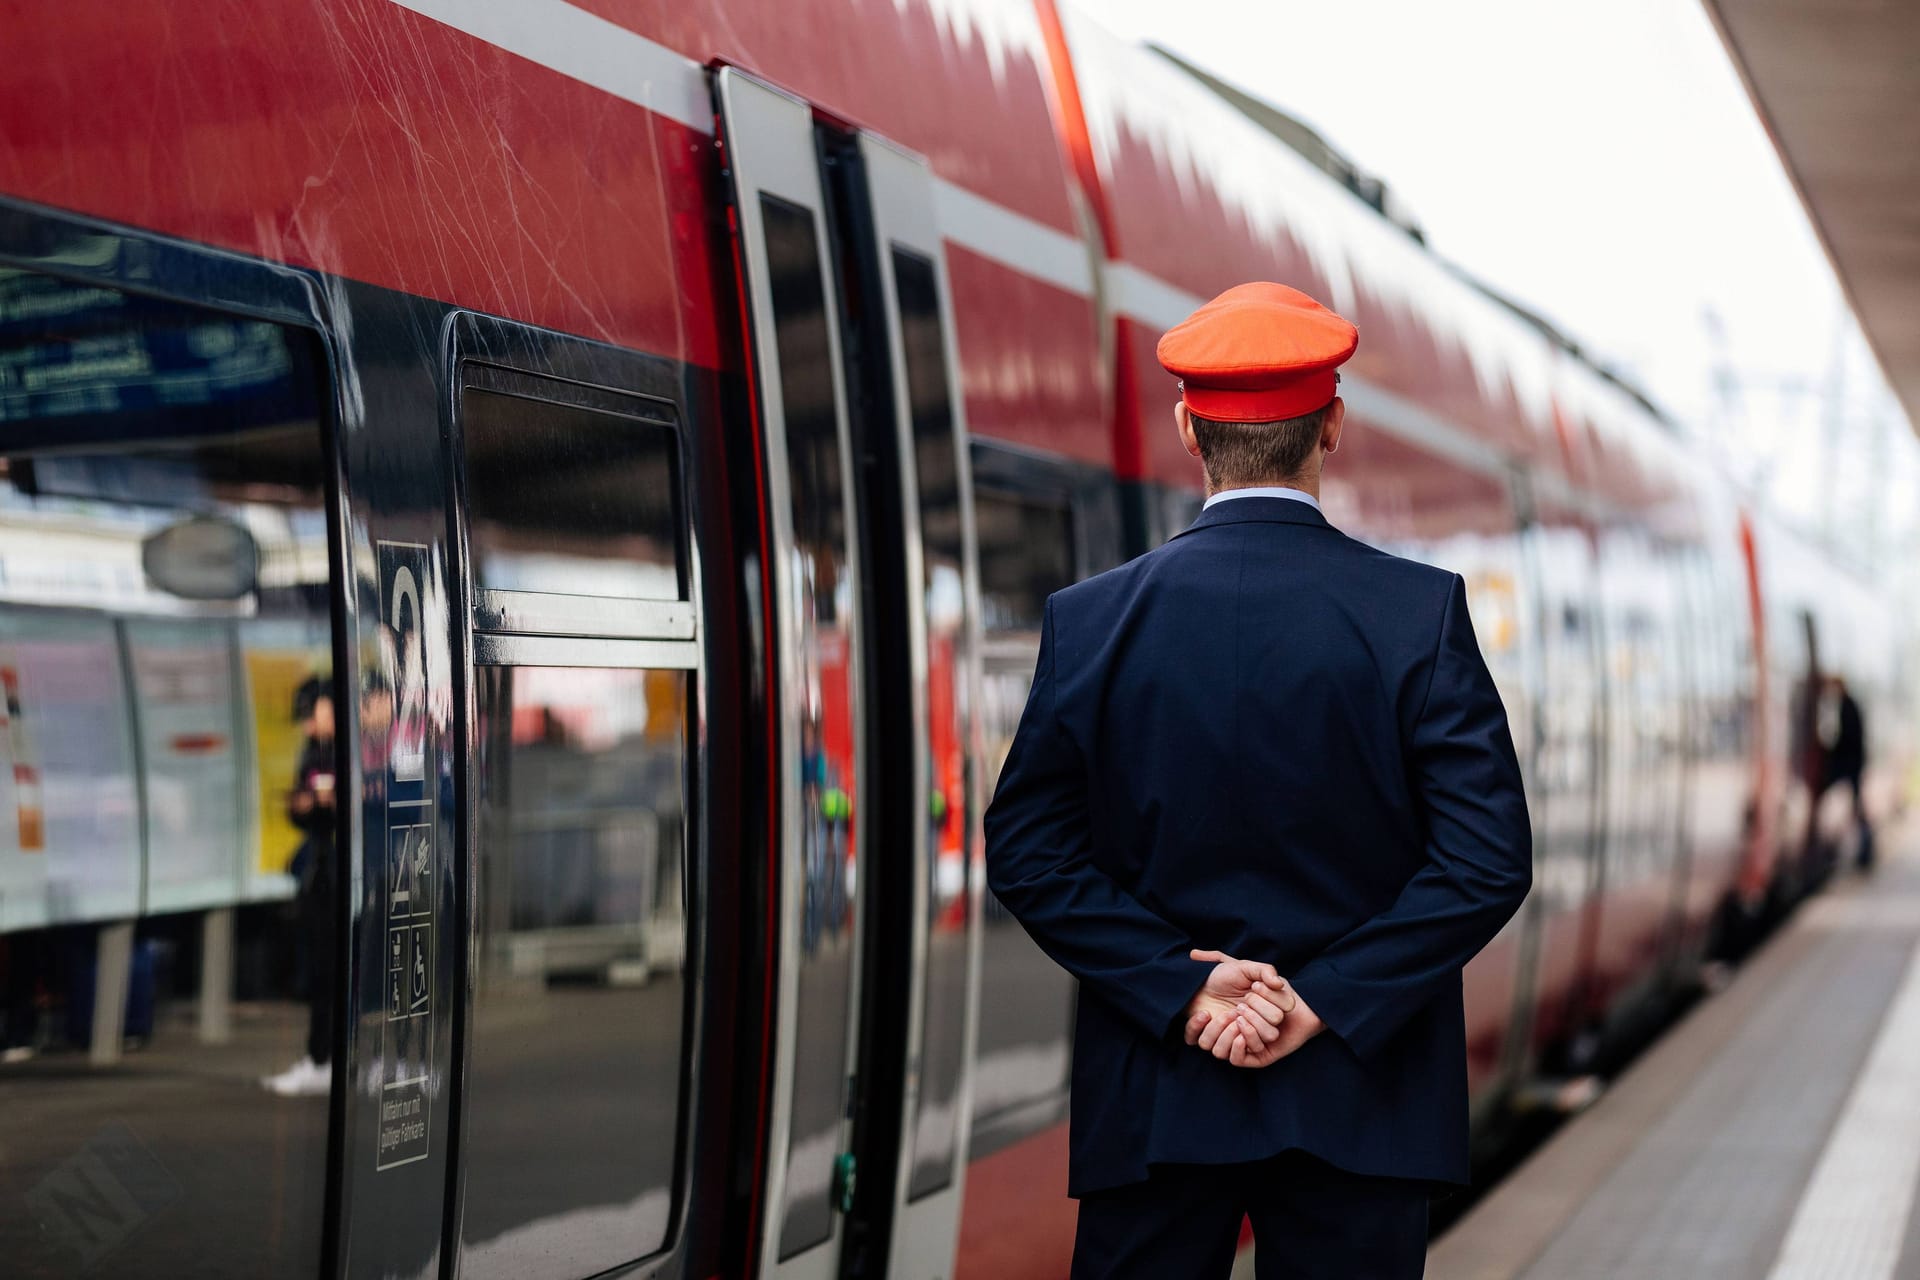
1377	194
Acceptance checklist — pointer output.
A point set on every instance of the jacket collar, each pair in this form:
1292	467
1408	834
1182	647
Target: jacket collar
1258	510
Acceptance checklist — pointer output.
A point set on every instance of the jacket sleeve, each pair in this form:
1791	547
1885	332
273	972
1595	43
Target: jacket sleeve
1040	866
1479	856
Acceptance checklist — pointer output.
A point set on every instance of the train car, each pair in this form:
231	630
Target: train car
652	432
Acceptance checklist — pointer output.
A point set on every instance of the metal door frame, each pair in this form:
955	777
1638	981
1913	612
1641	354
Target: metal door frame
494	628
770	149
924	1235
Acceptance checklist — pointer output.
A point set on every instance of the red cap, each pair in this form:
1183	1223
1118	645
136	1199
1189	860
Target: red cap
1257	353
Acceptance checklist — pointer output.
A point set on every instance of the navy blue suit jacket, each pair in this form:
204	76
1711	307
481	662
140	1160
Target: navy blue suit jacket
1268	739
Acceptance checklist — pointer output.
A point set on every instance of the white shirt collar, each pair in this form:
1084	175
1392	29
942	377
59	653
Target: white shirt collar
1264	491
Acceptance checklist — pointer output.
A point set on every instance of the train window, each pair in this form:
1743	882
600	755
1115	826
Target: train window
822	598
573	509
169	883
942	1047
580	745
1027	552
573	1084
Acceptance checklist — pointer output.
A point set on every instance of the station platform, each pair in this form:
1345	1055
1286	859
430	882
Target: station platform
1773	1132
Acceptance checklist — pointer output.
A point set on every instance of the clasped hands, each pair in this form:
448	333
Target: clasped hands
1247	1014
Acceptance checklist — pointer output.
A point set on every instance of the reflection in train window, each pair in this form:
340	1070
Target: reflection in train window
573	1087
821	594
1026	1000
169	908
567	499
936	456
1026	554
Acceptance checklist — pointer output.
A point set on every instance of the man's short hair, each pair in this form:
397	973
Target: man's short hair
1237	454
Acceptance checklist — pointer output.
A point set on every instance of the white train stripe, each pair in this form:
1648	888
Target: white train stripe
586	47
1013	239
1414	424
1852	1217
1147	298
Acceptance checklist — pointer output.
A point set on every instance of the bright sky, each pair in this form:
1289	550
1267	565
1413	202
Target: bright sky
1601	163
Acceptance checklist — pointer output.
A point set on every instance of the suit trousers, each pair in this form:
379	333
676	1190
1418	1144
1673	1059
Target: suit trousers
1310	1220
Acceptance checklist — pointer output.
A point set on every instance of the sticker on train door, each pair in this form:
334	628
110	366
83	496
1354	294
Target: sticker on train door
411	868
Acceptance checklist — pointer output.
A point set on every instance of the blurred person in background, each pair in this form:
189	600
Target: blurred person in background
311	808
1846	761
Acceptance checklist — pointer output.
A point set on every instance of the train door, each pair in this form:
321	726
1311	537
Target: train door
1686	633
581	742
1572	771
1641	786
1709	830
871	592
1043	524
930	602
1796	663
1527	680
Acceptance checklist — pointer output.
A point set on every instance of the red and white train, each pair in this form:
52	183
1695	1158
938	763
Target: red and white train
659	425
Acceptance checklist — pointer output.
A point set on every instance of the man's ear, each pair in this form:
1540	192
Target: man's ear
1183	423
1330	430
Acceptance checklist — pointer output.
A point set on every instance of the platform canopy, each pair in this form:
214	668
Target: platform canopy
1837	83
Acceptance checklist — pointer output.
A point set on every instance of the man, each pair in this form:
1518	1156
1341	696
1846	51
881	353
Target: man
311	809
1846	763
1263	803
